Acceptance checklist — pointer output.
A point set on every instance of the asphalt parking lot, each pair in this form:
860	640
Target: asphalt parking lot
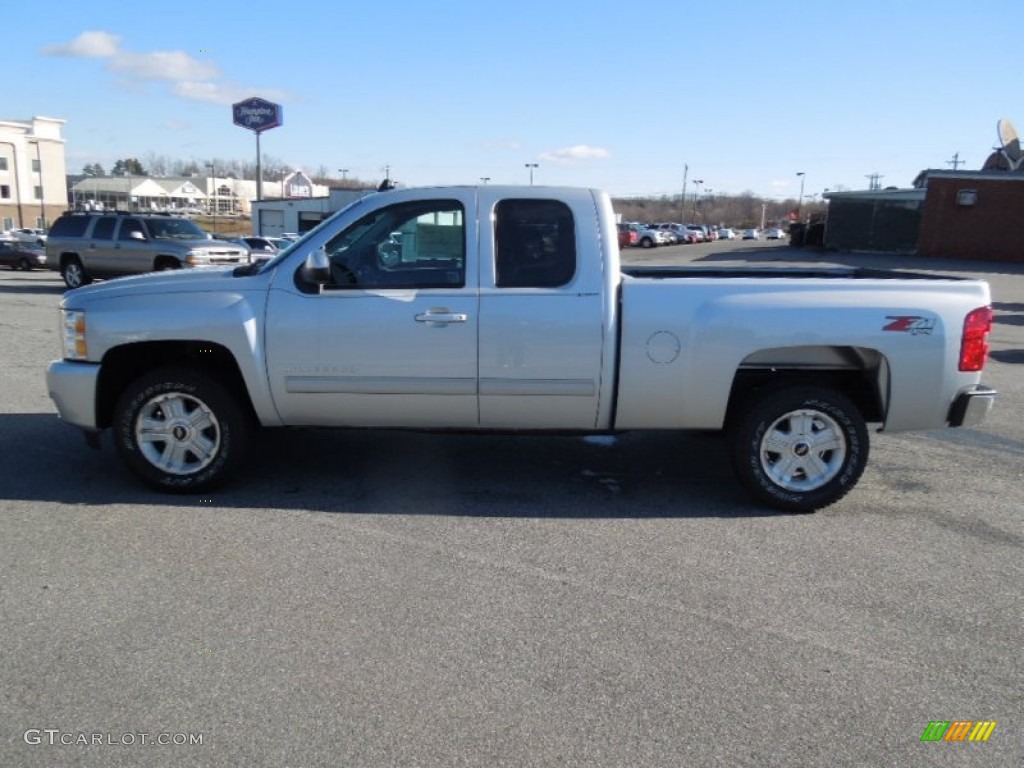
393	599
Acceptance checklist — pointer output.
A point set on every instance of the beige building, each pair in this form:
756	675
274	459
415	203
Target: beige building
33	191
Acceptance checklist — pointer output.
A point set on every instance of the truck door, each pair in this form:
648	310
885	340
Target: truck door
541	315
392	339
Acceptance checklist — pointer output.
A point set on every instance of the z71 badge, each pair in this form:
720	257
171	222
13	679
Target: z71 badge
912	324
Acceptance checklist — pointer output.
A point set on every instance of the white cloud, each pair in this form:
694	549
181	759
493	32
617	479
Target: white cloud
575	154
224	93
162	65
93	44
502	144
189	78
780	183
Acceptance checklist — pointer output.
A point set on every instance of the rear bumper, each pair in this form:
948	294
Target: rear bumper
72	386
971	407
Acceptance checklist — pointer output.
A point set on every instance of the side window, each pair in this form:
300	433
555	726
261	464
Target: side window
70	226
104	228
128	226
420	244
535	244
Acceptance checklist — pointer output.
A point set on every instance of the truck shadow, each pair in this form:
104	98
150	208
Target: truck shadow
636	475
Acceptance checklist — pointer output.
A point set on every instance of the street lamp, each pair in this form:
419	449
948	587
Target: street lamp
213	176
696	192
800	202
343	172
531	166
484	179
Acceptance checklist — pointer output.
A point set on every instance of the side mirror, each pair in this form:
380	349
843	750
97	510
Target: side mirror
317	268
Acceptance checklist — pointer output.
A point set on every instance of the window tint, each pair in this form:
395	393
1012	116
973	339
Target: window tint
70	226
104	229
411	245
128	226
535	244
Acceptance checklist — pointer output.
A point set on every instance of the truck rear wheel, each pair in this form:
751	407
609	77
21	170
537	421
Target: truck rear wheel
180	431
800	448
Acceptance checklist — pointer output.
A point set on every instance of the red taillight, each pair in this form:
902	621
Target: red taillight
974	343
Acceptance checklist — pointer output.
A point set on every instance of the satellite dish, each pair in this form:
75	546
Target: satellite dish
1010	143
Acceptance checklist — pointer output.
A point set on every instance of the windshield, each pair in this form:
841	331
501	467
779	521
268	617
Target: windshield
175	229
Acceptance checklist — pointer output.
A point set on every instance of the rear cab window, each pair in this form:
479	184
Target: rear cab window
535	244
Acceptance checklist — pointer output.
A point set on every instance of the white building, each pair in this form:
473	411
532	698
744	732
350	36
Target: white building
271	217
225	195
32	172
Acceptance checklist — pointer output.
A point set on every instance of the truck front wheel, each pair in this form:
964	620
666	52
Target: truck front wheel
179	430
800	448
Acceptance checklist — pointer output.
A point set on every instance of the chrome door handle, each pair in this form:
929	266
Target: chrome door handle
441	317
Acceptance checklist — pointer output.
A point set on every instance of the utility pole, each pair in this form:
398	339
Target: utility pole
956	162
682	199
873	180
800	202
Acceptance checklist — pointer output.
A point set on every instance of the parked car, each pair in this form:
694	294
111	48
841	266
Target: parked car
26	235
84	245
725	233
697	229
775	234
683	234
17	255
647	237
627	235
259	247
751	234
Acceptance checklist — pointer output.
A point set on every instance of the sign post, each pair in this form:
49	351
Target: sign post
257	115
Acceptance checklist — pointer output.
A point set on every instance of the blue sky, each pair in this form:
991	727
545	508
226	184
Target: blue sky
617	95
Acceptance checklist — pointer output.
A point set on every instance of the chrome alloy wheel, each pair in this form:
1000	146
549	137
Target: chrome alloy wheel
177	433
803	450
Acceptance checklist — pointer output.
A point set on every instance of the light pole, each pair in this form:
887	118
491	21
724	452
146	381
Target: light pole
800	202
484	179
696	192
531	166
213	176
682	198
343	172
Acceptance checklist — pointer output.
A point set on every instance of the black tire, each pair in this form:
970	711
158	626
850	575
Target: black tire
197	431
163	265
74	273
24	264
647	243
799	448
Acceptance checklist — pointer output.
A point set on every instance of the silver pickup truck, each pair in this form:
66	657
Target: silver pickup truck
507	308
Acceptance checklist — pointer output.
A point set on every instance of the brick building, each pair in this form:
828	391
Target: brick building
972	215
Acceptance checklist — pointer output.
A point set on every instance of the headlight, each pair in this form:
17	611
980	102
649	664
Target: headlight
73	334
196	258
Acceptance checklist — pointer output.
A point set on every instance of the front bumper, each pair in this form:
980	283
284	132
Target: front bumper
971	407
72	386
